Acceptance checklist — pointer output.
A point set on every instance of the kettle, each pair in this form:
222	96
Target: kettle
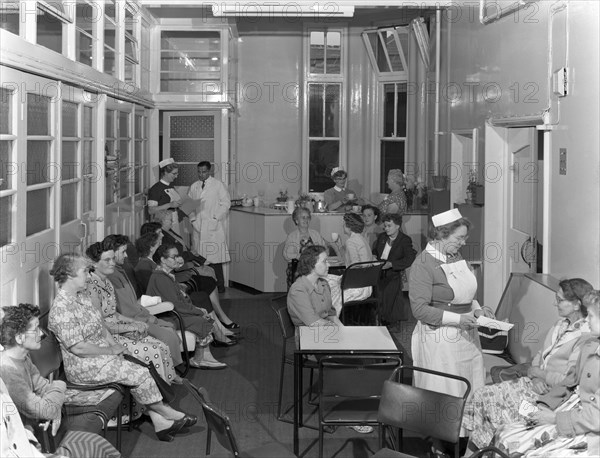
321	206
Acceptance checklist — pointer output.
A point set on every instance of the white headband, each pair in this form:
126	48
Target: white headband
166	162
446	217
335	170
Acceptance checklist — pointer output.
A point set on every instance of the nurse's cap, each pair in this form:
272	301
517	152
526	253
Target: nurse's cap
166	162
447	217
336	170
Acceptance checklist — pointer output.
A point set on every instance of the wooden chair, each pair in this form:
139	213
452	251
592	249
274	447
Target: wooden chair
350	390
48	360
287	358
219	424
430	413
360	275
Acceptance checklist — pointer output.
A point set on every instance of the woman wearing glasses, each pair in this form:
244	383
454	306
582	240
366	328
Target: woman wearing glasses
495	405
442	288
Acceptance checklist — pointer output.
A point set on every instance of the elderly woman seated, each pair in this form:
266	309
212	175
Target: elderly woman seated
309	298
37	399
495	405
91	355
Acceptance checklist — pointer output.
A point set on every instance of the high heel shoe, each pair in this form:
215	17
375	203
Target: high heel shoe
232	325
190	420
167	435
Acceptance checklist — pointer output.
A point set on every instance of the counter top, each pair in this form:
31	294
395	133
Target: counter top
265	211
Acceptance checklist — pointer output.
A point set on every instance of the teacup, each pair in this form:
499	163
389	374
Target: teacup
350	196
334	236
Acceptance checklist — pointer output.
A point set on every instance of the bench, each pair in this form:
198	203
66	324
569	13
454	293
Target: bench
528	302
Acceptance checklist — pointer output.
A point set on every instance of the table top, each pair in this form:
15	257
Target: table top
346	339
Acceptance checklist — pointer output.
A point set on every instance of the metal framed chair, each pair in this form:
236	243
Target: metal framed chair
219	424
350	390
287	337
48	360
430	413
187	339
360	275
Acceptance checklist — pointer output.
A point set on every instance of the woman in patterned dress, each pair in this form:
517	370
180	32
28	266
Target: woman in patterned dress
91	355
396	201
128	332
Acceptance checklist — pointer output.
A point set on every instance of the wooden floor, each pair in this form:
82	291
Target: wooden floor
247	392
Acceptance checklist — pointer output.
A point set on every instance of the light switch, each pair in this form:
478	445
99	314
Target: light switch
562	161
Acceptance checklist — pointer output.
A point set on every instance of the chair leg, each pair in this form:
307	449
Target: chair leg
281	374
208	437
320	441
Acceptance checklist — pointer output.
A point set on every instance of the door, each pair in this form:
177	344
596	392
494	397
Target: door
522	198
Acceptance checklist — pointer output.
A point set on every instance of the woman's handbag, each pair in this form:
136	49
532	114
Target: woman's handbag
166	390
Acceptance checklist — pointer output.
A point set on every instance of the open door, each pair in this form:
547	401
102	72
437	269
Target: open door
522	198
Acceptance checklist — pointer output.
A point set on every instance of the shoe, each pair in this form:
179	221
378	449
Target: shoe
218	343
221	289
190	420
207	365
167	435
362	429
232	325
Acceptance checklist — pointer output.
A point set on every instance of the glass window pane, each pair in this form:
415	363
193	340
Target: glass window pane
192	150
109	61
380	56
70	121
9	16
109	10
5	111
139	181
129	22
317	52
87	194
192	126
333	52
111	186
84	49
124	180
69	203
38	118
88	116
49	30
87	158
138	153
38	162
123	124
110	126
86	15
393	51
392	157
315	110
7	165
6	235
38	211
324	156
401	116
138	127
70	165
388	110
123	153
332	110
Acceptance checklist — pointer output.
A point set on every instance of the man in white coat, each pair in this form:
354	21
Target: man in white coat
209	235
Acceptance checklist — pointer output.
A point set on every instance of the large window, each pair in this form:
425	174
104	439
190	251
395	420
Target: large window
324	121
393	132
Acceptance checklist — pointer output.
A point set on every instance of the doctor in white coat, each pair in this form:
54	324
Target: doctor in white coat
208	218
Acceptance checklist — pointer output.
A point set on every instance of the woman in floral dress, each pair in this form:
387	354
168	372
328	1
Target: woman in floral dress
396	201
130	333
90	354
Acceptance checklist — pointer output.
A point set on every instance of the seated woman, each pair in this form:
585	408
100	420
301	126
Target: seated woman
394	247
356	249
309	298
36	398
90	354
206	279
566	422
146	245
299	239
340	198
372	228
130	333
395	202
193	309
495	405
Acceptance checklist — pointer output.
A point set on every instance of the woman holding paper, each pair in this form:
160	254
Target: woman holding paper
441	292
495	405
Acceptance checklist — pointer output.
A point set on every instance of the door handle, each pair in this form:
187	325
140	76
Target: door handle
528	251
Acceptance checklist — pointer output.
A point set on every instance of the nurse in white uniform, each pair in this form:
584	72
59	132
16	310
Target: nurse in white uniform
442	288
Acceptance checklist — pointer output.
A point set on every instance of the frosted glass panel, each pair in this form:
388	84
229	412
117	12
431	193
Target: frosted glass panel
38	119
69	119
70	164
38	211
192	150
188	173
6	235
38	162
5	111
192	126
69	203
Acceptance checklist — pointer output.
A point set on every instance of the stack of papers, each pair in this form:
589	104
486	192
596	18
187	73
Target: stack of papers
494	324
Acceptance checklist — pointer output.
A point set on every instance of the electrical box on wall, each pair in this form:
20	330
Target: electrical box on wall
562	161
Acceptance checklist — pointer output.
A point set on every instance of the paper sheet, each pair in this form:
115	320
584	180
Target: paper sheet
147	301
494	324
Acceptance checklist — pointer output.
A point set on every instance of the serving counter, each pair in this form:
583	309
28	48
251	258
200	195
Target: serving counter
257	236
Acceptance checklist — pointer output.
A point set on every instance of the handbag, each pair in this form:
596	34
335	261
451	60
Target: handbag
166	390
